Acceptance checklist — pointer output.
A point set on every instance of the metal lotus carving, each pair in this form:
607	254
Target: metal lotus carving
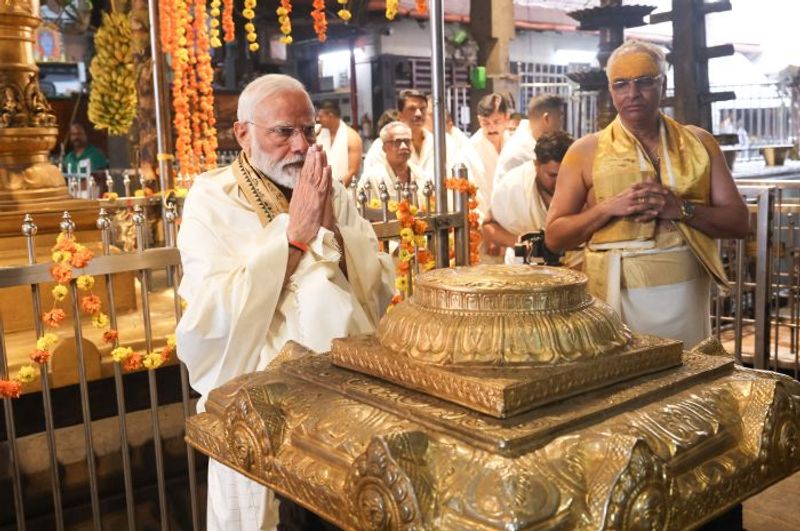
499	315
659	450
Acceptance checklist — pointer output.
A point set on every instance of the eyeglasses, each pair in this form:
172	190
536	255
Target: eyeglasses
641	83
397	142
284	133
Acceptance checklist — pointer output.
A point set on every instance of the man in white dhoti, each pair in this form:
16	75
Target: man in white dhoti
396	167
412	106
545	114
272	251
341	143
649	195
520	201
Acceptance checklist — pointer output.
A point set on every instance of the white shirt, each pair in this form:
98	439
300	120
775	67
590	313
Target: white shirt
517	150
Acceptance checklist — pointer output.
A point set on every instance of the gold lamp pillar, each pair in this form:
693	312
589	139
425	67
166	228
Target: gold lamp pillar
27	124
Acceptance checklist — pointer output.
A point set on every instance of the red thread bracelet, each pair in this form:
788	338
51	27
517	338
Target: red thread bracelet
302	247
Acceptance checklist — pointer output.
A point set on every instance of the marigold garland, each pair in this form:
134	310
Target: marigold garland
68	255
215	15
320	20
166	26
192	93
464	186
422	7
413	246
391	9
249	13
283	12
227	21
344	12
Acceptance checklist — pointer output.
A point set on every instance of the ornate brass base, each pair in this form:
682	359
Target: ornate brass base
506	391
666	451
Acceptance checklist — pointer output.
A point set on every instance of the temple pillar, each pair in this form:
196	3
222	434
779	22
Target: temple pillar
492	27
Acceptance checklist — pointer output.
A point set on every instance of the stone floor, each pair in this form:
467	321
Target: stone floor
775	509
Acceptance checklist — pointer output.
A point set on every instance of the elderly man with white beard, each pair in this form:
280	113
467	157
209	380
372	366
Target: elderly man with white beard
272	251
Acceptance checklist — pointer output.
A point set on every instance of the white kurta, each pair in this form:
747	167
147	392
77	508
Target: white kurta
336	149
518	150
460	140
480	158
516	202
239	314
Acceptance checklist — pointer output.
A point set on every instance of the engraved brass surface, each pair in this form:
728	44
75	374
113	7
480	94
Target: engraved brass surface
504	391
667	451
650	438
27	123
502	315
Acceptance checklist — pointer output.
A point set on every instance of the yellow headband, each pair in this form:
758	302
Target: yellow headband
632	65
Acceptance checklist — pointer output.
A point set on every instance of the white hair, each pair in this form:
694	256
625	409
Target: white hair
266	86
386	131
634	46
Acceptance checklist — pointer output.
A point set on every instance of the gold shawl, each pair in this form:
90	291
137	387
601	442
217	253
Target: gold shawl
262	195
619	163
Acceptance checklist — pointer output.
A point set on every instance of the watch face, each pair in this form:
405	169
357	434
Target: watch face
688	209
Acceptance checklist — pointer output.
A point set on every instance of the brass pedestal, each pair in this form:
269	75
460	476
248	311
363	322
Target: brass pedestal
668	449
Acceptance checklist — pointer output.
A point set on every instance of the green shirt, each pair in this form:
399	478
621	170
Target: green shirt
97	161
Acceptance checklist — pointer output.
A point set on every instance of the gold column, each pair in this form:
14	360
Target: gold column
27	124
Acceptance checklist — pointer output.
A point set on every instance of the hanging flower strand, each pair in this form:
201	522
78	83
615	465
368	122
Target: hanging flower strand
422	7
249	13
227	21
464	186
344	13
320	20
215	13
283	12
67	256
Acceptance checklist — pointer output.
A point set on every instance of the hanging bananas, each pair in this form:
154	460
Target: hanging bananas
112	96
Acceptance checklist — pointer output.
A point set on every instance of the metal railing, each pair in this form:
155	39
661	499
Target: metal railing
375	206
762	313
142	262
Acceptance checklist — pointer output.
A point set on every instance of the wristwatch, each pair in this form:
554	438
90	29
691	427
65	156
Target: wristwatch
687	210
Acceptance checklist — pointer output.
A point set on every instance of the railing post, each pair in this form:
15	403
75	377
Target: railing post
29	230
139	223
763	280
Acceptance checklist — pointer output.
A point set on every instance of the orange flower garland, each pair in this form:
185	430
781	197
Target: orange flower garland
320	20
166	25
344	13
283	12
422	7
67	255
464	186
413	245
205	139
192	91
249	13
227	21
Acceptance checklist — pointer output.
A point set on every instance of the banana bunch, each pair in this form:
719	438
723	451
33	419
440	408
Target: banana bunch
112	96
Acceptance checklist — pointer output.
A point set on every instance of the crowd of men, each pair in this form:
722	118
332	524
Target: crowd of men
273	248
503	146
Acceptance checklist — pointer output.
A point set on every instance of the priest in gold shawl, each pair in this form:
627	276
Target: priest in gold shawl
648	196
272	251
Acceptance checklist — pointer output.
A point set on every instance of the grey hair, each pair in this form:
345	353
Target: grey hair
634	46
387	129
263	87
